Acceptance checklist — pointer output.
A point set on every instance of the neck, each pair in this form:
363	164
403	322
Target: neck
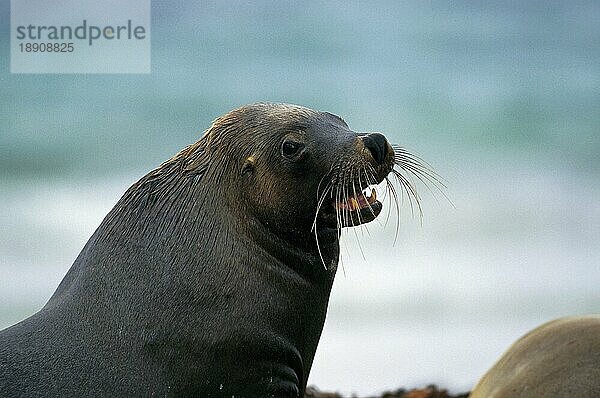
202	284
299	252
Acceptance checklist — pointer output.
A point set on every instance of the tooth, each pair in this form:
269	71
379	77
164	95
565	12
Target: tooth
373	196
354	204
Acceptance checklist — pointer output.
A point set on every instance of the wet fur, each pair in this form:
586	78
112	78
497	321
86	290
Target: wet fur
205	279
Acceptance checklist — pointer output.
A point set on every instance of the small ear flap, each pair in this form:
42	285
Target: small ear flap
248	166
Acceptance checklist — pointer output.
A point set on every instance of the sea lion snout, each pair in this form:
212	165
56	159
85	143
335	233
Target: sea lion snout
377	145
377	153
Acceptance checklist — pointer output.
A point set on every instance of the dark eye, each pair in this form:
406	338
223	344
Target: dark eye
290	148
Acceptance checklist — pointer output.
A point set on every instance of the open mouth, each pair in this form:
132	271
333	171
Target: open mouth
352	210
361	201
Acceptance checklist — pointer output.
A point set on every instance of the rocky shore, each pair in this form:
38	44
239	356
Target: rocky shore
431	391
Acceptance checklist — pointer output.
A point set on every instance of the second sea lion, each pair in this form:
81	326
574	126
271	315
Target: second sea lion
560	359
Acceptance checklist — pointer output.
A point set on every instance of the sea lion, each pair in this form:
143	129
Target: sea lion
211	275
560	359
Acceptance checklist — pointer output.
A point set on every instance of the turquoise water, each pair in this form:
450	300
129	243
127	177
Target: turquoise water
504	101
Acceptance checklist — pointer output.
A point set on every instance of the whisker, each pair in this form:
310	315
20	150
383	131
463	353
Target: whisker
391	188
407	189
358	214
344	210
344	184
320	201
420	169
370	181
361	171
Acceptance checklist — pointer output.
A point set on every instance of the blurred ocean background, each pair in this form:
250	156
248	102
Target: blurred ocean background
502	98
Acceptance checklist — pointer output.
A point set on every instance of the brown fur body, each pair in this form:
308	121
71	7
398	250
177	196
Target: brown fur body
205	279
560	359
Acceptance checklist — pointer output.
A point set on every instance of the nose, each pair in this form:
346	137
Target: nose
377	145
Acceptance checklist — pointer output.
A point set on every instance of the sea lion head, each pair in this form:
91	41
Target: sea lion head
286	174
300	172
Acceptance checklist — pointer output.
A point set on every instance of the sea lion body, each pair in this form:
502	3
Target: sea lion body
206	278
560	359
